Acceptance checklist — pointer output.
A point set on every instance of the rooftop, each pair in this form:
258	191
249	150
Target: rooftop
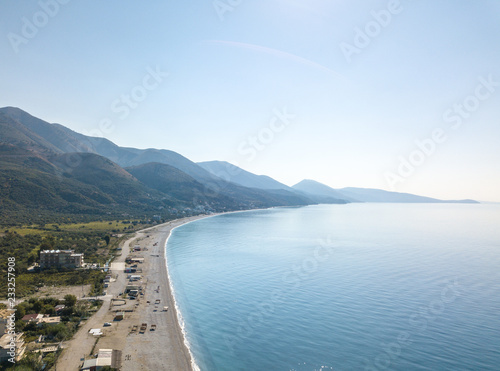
50	320
104	358
5	339
32	317
5	313
57	251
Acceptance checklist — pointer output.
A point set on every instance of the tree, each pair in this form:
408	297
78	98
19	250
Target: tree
20	312
33	255
61	332
31	361
69	300
20	325
48	309
37	306
80	310
48	243
107	239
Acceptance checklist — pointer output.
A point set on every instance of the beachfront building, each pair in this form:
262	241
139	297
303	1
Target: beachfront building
60	259
12	346
105	358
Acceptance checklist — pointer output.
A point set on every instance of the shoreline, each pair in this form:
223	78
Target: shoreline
178	314
180	324
163	346
181	352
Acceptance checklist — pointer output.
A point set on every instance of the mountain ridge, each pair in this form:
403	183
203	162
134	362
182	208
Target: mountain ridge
355	194
70	172
57	170
235	174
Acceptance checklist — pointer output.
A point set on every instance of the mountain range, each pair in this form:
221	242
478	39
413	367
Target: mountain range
50	169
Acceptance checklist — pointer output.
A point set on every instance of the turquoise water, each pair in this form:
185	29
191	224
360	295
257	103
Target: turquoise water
341	287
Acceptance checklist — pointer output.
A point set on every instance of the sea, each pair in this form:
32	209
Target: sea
362	286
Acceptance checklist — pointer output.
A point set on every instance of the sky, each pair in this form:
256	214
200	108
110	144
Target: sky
397	95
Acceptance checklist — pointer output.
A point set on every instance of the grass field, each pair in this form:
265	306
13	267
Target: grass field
100	226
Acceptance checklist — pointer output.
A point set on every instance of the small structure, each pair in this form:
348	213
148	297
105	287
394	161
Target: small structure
32	318
119	316
95	331
50	349
49	321
129	288
133	259
105	358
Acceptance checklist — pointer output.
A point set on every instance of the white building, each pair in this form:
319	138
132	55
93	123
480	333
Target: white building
60	259
49	321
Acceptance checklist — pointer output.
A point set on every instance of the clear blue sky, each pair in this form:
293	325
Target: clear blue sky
357	104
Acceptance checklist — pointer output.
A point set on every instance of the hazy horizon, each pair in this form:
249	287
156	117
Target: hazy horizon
394	95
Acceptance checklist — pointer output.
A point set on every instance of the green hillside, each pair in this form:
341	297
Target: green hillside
48	171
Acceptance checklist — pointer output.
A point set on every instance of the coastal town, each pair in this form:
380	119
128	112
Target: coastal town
131	325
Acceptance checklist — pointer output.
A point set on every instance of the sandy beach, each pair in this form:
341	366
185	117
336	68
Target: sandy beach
161	347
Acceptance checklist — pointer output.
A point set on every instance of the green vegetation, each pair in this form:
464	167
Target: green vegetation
71	316
49	171
27	284
26	250
42	187
31	362
98	240
102	226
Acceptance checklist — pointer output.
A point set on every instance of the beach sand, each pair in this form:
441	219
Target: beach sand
160	349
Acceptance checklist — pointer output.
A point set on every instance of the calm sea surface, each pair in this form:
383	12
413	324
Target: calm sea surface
341	287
